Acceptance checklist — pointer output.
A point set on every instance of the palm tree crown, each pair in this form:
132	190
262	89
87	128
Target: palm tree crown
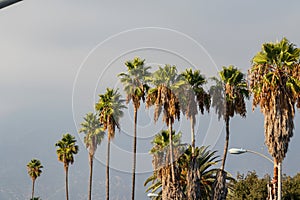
93	131
160	149
165	93
135	81
66	149
109	107
196	81
229	93
275	84
34	168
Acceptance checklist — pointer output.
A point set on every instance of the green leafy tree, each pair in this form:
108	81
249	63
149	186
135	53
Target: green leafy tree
94	135
291	187
66	149
275	84
135	85
249	187
34	169
109	108
228	98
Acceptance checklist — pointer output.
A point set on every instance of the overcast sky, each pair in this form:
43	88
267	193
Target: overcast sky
57	56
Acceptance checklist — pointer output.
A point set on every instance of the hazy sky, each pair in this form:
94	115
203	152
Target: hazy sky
57	56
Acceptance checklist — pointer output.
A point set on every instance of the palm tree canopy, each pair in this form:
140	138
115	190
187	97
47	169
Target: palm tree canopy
196	82
230	89
275	84
166	75
34	168
66	149
93	131
160	149
279	54
275	66
110	109
165	94
135	81
161	141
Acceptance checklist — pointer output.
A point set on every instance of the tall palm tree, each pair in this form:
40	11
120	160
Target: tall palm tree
109	108
163	96
136	87
228	95
275	84
34	170
195	94
94	135
66	148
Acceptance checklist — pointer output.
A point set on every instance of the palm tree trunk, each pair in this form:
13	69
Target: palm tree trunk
171	151
66	182
220	191
279	181
91	158
226	143
134	154
107	169
193	135
32	194
193	179
275	179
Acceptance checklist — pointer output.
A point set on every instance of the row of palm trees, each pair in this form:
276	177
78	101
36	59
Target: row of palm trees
274	83
66	149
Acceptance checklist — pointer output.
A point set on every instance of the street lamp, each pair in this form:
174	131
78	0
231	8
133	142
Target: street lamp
241	151
5	3
152	195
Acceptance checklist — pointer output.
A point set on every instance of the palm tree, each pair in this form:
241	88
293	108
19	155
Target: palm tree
195	94
94	135
161	155
65	153
206	159
135	86
228	97
34	170
196	81
109	108
163	96
275	84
